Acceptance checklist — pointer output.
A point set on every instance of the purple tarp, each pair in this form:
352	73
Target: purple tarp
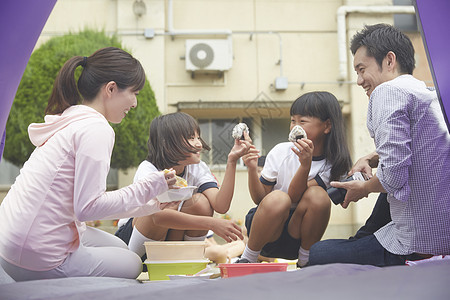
433	16
21	23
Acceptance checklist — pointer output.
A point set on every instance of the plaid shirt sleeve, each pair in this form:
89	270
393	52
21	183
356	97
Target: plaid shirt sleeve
390	127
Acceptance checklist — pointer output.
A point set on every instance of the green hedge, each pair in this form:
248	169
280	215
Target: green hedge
35	88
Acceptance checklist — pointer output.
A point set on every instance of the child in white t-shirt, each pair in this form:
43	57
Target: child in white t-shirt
293	206
175	143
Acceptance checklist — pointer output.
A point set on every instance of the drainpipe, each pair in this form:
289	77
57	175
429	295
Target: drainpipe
342	28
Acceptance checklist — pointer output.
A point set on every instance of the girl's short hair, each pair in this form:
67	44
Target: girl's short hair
168	141
325	106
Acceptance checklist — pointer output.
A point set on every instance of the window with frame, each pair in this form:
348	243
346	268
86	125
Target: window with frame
273	132
217	134
405	22
265	133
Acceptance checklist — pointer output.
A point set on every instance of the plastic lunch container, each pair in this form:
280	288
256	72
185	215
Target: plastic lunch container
180	194
234	270
160	270
175	250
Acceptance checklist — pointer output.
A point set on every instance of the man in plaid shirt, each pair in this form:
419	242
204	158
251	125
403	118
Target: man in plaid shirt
412	156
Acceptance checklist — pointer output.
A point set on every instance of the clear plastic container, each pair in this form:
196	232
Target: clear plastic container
175	250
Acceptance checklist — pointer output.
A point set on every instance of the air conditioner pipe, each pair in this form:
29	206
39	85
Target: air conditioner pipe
342	28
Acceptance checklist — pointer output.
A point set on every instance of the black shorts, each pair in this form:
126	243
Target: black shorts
125	231
284	247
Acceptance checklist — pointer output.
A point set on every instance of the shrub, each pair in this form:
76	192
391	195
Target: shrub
35	88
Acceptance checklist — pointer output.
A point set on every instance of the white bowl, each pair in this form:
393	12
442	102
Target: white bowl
180	194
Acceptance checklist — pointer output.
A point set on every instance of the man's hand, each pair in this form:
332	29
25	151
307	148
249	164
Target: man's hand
356	190
365	165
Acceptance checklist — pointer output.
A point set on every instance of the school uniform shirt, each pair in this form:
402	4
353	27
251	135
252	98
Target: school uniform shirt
282	164
413	143
198	175
63	184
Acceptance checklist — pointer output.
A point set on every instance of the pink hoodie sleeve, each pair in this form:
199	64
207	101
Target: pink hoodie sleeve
93	148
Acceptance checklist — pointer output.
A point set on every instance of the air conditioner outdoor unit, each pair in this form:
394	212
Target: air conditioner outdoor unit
209	55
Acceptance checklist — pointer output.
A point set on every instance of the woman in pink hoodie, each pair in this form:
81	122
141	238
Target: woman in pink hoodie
63	183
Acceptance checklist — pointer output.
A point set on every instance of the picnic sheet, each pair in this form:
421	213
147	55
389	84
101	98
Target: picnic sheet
334	281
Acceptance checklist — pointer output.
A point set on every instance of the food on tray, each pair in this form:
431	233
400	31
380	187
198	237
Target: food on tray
180	194
297	133
181	182
238	131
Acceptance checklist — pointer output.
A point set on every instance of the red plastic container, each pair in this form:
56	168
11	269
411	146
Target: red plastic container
234	270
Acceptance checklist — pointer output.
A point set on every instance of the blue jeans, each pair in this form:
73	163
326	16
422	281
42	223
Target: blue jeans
364	251
380	216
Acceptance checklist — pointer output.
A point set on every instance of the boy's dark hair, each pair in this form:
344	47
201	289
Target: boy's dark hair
325	106
379	39
168	141
105	65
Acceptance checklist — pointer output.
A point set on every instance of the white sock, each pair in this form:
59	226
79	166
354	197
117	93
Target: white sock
303	257
194	238
250	255
136	243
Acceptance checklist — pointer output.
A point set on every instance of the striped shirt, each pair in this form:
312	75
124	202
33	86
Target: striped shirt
413	143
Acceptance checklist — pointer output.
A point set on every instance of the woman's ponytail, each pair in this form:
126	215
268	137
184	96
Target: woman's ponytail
65	92
104	65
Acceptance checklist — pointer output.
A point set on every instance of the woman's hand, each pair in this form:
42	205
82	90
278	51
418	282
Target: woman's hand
226	229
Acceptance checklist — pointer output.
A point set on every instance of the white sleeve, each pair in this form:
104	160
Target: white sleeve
199	174
145	168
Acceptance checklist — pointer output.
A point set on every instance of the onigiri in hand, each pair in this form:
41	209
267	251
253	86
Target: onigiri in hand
238	131
297	133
